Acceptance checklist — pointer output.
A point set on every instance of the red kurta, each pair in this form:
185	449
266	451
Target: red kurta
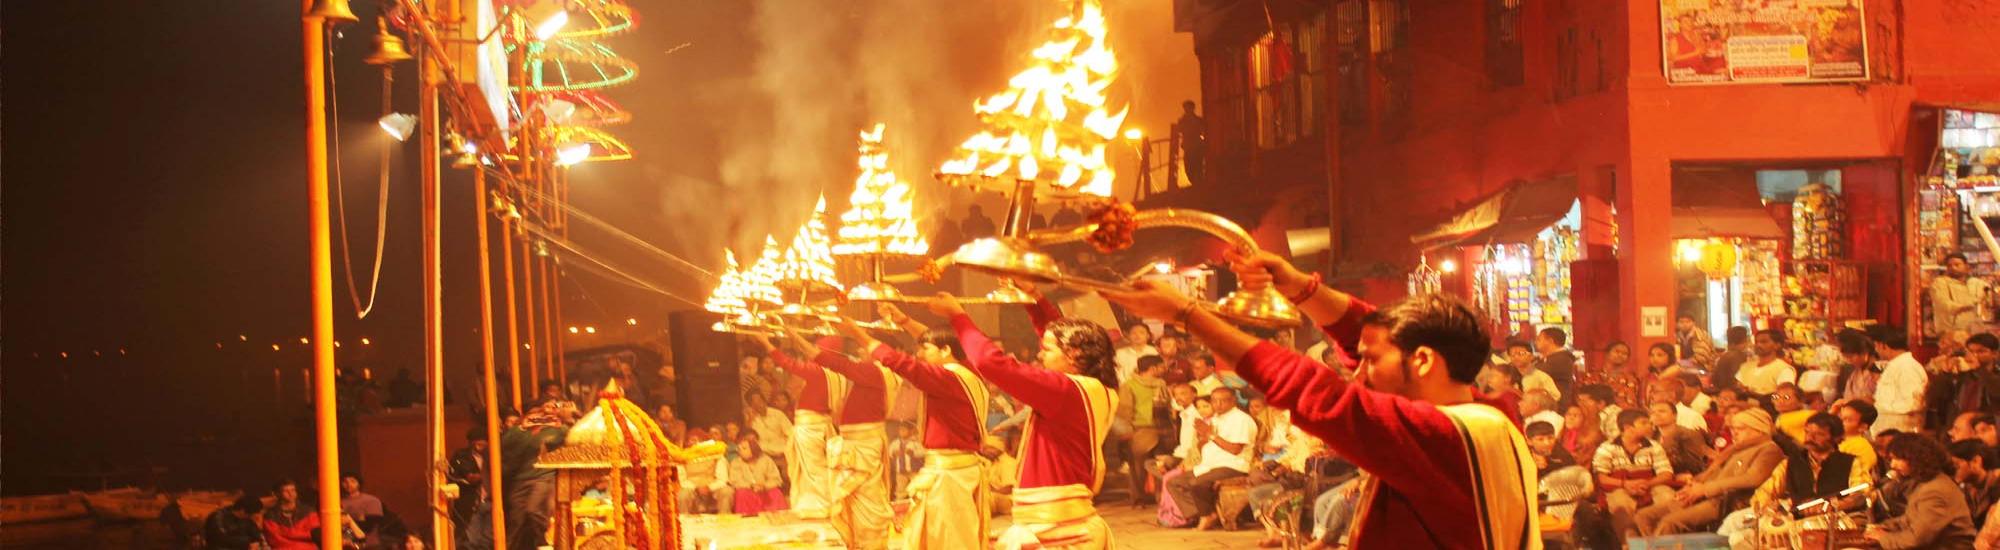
1060	451
1427	497
868	400
813	397
949	422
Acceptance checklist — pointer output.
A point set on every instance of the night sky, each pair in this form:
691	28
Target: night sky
154	194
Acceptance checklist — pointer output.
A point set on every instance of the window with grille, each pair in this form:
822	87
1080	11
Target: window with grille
1503	42
1228	115
1350	33
1389	35
1285	78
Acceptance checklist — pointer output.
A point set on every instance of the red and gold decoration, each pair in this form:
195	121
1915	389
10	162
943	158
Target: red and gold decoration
616	483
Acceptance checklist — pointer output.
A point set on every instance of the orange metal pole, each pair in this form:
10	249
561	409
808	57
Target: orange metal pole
534	332
549	320
486	365
321	253
560	368
433	236
513	325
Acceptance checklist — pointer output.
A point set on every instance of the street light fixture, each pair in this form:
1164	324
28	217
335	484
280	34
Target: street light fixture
398	125
548	19
572	154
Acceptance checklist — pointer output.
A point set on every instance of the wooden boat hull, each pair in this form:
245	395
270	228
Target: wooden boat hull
39	508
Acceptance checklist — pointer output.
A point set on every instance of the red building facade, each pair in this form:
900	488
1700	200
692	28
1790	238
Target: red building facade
1420	109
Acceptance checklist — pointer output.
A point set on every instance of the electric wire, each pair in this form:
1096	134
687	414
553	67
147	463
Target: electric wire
621	234
572	249
340	191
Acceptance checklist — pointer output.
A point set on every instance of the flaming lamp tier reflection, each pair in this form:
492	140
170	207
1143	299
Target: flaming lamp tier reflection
1052	125
808	263
880	222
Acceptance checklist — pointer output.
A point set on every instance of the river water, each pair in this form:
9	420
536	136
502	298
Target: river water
87	534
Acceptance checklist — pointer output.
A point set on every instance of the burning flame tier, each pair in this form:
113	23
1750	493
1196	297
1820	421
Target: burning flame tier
808	263
880	220
1051	125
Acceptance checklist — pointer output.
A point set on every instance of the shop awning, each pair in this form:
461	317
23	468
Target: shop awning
1514	215
1720	203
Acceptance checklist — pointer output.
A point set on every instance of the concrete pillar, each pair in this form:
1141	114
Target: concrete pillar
1645	249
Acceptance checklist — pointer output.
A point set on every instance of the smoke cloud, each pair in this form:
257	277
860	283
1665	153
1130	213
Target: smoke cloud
747	111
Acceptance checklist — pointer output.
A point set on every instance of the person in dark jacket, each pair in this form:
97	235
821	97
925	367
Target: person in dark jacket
235	527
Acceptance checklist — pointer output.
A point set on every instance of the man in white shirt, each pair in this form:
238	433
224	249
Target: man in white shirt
1226	444
1770	368
1138	343
1956	295
773	429
1522	358
1537	406
1899	395
1668	389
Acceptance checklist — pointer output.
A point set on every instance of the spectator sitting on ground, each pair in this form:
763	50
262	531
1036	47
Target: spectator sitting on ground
1855	418
705	485
235	527
1980	482
1538	406
1747	462
754	476
287	525
1632	471
1936	515
1813	468
1225	443
1789	400
1687	450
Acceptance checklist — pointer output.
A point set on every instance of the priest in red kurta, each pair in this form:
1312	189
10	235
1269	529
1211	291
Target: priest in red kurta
1073	395
859	501
948	497
1447	470
812	429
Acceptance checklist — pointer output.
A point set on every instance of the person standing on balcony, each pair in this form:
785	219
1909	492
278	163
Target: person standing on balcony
1192	133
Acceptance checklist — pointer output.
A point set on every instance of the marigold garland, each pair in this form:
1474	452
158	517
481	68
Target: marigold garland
1115	222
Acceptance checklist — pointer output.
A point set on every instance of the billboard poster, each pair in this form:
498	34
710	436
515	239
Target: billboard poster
1763	41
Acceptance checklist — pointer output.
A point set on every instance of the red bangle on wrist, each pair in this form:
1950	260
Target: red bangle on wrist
1312	287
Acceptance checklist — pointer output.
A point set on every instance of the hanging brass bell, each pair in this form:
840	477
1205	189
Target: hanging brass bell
332	11
388	47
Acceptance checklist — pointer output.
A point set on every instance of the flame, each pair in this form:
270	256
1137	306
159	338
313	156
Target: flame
810	258
727	298
760	282
1053	117
879	220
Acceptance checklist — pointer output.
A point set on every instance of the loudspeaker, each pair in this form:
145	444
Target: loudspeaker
705	363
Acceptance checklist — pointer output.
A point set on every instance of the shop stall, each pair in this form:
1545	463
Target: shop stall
1960	187
1517	245
1768	248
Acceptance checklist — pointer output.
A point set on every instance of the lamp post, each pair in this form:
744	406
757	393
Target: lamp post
315	21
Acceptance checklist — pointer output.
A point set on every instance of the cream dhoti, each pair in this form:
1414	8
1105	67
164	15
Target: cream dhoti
948	502
859	500
812	480
1061	516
